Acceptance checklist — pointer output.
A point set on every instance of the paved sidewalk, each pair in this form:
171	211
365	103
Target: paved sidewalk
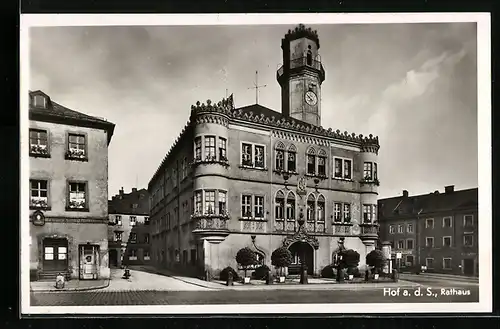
72	285
453	277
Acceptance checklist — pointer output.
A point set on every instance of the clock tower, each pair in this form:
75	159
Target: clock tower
301	75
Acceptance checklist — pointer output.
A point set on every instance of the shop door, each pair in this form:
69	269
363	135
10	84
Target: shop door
55	255
89	262
468	266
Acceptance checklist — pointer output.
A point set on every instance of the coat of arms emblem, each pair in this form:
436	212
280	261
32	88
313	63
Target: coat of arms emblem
301	185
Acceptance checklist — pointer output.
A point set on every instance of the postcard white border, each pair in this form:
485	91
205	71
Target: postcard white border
484	155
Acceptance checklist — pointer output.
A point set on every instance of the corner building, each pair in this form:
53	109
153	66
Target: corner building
68	198
243	177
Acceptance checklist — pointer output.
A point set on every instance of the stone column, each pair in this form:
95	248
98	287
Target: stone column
369	246
386	249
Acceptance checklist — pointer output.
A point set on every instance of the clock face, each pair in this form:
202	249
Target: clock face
311	98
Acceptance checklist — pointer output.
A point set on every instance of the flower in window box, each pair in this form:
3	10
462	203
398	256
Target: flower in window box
248	214
76	153
210	158
39	149
223	158
38	202
247	163
77	204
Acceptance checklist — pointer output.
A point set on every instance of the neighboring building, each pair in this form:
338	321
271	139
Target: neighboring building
68	191
437	230
244	177
128	229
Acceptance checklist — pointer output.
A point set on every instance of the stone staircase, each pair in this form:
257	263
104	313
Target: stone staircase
51	275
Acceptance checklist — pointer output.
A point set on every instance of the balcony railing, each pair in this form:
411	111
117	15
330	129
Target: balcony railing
210	221
341	229
369	229
301	62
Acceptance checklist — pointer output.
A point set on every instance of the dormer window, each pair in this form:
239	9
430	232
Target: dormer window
40	101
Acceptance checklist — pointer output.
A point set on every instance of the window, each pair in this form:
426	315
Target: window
392	229
369	213
446	241
193	257
146	255
291	158
259	207
222	202
133	237
210	148
468	240
342	168
246	155
39	101
118	236
39	193
222	149
400	228
146	220
409	228
446	263
321	208
429	262
290	206
309	58
321	166
209	202
197	202
133	220
197	148
146	238
347	213
259	156
367	171
184	168
246	206
132	255
429	223
409	244
118	220
337	212
76	146
279	207
401	244
375	174
447	222
280	160
77	196
38	142
468	221
311	161
429	242
310	208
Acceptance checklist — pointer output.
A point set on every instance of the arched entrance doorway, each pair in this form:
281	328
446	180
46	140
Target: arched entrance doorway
113	257
301	252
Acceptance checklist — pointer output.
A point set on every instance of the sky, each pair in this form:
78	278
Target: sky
413	85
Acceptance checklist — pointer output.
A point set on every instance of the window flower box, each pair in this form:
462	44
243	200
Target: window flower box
76	154
39	149
76	204
38	202
368	180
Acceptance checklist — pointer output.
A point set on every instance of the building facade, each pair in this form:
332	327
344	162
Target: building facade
68	191
247	177
128	229
436	230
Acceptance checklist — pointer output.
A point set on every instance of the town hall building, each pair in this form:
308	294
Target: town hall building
246	177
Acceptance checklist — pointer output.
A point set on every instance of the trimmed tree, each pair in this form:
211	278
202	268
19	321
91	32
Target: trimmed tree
376	260
281	257
350	260
246	257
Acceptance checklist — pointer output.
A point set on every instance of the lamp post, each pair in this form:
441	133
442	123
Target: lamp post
303	267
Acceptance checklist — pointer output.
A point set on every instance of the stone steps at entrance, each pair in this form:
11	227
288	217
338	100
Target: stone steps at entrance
51	275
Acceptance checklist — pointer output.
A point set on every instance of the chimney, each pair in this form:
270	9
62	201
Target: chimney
405	193
134	189
449	189
121	191
436	192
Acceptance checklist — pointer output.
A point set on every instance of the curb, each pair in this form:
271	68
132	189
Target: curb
178	279
71	289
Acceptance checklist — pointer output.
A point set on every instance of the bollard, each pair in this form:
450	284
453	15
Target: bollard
230	278
269	278
126	275
395	275
367	274
340	275
59	281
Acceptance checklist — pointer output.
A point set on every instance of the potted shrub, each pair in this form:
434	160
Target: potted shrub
280	258
328	272
376	260
261	272
246	257
350	260
223	276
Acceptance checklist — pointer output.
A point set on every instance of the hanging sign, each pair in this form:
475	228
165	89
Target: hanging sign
38	218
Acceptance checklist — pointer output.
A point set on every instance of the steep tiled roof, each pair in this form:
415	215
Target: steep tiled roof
427	203
60	113
123	204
